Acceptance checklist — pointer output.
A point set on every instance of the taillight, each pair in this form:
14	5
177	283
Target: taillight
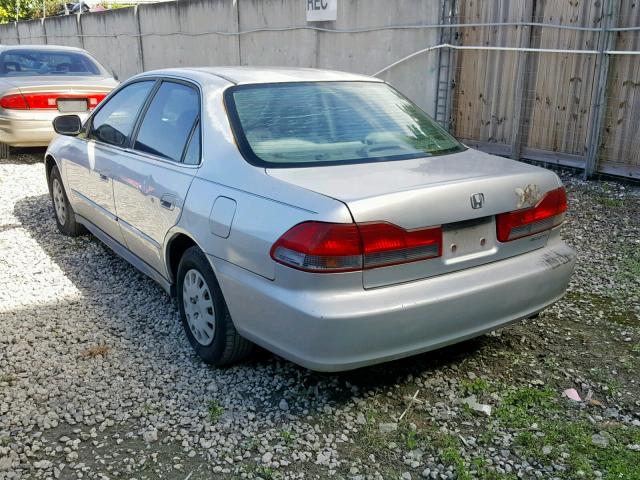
548	213
14	102
343	247
47	100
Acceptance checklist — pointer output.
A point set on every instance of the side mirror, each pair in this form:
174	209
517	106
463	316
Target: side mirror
67	125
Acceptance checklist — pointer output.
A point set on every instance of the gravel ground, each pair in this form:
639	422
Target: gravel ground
98	381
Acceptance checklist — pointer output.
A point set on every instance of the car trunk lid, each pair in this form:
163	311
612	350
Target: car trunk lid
462	192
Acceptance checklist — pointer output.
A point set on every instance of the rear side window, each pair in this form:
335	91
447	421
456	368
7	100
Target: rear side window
21	63
114	122
320	123
169	121
192	155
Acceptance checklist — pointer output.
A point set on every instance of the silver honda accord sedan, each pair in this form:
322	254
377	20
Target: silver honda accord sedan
37	83
319	214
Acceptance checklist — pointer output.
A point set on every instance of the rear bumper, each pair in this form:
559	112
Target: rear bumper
28	128
342	330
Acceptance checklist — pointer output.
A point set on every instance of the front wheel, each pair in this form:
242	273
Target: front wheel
64	214
205	317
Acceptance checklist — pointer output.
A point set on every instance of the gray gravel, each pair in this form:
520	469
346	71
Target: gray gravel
98	381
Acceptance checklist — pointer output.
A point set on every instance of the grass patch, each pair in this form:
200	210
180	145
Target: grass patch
630	265
612	311
519	406
609	202
215	411
583	457
570	439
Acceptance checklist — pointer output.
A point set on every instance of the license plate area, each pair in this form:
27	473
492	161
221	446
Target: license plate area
75	105
468	239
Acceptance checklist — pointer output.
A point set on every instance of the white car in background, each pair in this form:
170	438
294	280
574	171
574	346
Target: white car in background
38	83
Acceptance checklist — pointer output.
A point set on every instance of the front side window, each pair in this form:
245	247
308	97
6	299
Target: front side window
318	123
23	63
169	121
114	122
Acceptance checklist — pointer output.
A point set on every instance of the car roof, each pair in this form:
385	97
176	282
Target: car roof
248	75
4	48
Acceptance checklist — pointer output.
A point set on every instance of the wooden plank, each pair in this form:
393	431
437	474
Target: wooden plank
620	144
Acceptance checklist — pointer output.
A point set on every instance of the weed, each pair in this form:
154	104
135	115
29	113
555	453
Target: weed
636	349
412	439
6	378
451	456
287	436
518	405
475	387
215	411
266	473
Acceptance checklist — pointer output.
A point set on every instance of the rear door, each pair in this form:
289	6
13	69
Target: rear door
89	173
153	175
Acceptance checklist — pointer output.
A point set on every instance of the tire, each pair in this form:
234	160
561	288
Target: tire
205	317
5	151
62	211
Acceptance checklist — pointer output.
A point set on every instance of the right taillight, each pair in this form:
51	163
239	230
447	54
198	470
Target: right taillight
342	247
548	213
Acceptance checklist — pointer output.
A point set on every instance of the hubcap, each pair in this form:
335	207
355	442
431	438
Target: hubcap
58	202
198	307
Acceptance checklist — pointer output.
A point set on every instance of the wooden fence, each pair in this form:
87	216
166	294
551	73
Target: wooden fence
565	108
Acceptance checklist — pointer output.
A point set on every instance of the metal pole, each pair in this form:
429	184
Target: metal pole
610	10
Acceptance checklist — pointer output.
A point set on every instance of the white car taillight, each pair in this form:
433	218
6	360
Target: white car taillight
343	247
548	213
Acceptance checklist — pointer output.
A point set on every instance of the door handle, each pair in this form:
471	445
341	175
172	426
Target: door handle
168	201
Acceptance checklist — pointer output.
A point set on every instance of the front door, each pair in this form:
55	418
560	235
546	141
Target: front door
90	172
154	176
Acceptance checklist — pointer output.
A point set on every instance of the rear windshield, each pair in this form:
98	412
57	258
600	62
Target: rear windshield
22	63
319	123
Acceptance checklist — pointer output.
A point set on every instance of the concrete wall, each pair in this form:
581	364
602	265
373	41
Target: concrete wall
131	40
118	52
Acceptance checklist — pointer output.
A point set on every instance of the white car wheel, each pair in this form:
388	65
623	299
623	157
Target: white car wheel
198	307
58	201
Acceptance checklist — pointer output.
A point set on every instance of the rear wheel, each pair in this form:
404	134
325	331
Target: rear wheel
64	214
205	317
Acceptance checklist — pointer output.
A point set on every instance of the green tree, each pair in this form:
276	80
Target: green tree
27	9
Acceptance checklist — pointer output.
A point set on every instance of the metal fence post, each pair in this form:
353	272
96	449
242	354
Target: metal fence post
522	81
610	11
136	14
79	29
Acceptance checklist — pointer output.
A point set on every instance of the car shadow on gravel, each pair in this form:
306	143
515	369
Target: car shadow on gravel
24	156
100	275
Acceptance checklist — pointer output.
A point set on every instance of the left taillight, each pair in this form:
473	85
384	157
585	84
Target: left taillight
342	247
47	100
548	213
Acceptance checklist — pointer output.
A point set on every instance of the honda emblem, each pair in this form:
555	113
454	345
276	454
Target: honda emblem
477	200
